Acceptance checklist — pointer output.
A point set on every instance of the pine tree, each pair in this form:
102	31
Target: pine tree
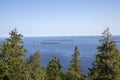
11	56
74	70
37	72
53	70
107	63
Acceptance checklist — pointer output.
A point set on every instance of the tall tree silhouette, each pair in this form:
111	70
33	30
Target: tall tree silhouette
74	70
11	55
107	63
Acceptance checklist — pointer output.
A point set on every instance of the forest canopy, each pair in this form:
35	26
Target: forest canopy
14	65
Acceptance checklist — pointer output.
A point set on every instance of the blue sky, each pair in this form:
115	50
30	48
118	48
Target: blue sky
59	17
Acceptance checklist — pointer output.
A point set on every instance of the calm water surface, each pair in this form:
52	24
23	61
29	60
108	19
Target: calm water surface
63	47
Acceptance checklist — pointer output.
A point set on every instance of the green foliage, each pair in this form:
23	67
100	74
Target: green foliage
14	66
11	57
53	70
37	72
107	64
74	70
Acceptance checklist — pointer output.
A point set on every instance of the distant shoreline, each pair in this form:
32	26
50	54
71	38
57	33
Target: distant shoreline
60	36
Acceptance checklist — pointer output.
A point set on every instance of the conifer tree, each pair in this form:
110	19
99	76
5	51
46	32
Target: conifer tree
107	63
53	70
37	72
11	56
74	70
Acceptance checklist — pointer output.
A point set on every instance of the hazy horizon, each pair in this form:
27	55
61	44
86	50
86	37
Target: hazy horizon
61	36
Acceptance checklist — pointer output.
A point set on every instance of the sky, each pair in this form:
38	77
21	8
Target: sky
59	17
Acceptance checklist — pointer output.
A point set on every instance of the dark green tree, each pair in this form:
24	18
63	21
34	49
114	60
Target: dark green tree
37	72
53	70
107	63
74	70
11	57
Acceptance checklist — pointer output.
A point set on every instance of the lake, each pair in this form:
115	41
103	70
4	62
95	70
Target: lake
63	47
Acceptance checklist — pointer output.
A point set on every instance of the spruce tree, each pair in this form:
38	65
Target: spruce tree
37	72
74	70
11	56
107	63
53	70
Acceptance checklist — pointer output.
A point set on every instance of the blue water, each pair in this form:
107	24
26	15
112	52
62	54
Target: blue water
63	47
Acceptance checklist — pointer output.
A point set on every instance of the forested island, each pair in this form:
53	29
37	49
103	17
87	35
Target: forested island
14	65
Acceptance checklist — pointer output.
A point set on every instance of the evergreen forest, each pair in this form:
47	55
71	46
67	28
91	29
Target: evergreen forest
14	65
